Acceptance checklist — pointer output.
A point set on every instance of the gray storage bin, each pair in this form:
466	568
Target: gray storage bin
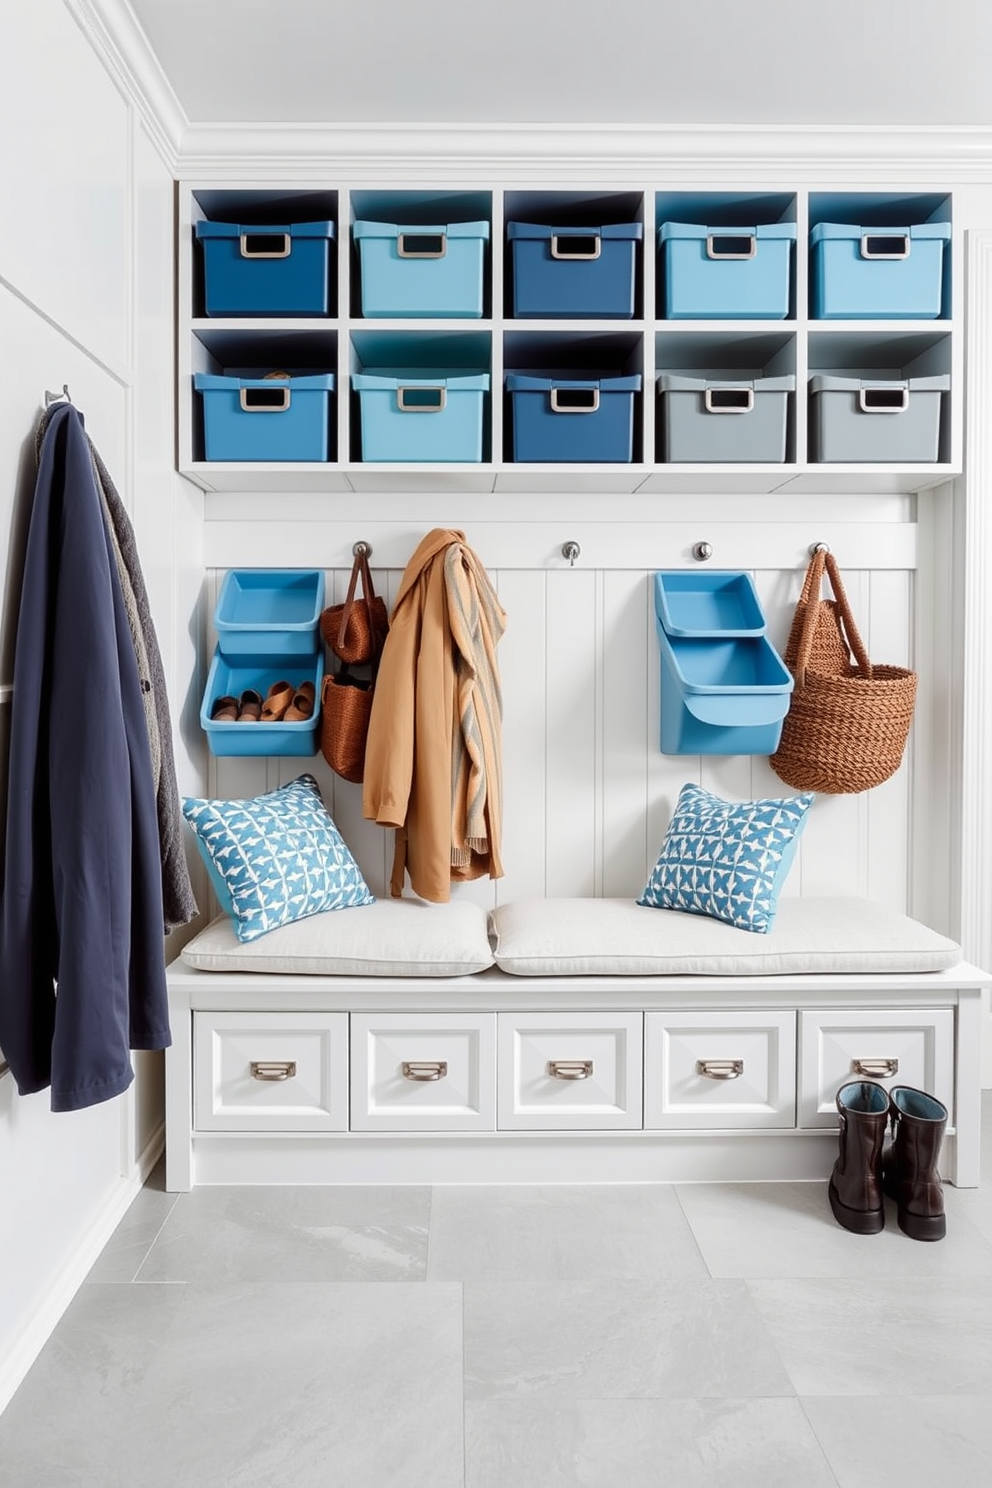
860	420
726	416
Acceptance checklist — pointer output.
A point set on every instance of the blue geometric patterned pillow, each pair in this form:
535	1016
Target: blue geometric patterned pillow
727	859
275	858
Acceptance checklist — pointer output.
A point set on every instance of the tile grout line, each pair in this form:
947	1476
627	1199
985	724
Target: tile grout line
154	1239
801	1401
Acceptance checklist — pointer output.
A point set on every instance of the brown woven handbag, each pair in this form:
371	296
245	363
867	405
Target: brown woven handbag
355	630
345	710
848	720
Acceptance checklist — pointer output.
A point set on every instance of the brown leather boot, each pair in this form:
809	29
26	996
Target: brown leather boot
909	1166
856	1181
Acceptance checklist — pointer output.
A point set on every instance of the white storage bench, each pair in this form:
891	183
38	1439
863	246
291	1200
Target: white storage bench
568	1041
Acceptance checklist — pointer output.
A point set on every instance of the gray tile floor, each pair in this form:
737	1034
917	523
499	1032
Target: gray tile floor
515	1338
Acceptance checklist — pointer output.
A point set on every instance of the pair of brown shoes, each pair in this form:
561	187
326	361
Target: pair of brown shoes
244	709
288	704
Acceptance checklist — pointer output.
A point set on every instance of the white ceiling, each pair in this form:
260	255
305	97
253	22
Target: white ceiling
639	62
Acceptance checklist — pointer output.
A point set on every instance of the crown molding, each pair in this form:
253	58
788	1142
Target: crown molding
695	153
113	31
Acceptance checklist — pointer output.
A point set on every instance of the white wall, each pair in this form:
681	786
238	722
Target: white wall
93	202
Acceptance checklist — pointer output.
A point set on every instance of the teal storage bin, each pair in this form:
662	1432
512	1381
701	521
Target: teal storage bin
414	272
257	418
268	270
710	605
721	696
862	420
724	416
418	415
269	612
726	273
229	677
878	273
572	419
578	273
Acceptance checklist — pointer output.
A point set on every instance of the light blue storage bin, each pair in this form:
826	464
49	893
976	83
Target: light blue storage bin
258	418
269	612
724	416
418	415
422	271
726	273
269	270
878	273
229	677
710	605
576	273
566	419
726	696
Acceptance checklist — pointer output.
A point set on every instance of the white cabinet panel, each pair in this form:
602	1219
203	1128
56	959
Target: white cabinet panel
706	1070
423	1072
580	1071
270	1071
893	1047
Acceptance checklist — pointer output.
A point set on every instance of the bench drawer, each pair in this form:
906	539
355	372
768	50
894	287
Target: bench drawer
891	1046
423	1071
705	1070
574	1071
270	1071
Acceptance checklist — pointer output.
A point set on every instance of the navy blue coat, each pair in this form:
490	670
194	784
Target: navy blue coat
82	961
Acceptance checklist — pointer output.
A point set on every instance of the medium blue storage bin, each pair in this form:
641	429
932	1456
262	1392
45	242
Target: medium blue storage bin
579	273
232	677
726	696
564	419
282	270
419	415
259	418
878	273
422	271
711	605
726	273
269	612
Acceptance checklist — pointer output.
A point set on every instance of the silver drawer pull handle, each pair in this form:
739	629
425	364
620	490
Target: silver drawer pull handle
732	246
582	246
422	245
421	399
729	400
883	400
424	1069
884	245
570	1069
265	245
574	400
273	1069
265	400
720	1069
879	1069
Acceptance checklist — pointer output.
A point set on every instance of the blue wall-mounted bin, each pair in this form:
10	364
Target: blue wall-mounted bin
724	416
724	696
269	612
566	419
878	273
711	605
422	271
230	678
260	418
267	270
726	273
419	415
575	273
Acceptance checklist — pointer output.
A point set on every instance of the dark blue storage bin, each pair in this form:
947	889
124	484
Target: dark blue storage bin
260	418
269	612
575	273
565	419
878	273
267	270
231	677
726	273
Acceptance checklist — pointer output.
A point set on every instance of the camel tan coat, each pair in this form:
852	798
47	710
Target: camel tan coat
433	759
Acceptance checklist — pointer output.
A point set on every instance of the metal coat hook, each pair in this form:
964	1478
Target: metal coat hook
820	547
51	397
701	551
571	551
361	550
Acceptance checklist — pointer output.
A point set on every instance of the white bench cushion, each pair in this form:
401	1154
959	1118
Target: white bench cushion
392	937
616	937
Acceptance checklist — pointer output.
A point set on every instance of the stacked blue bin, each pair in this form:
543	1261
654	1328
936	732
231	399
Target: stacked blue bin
574	272
724	687
266	270
266	418
726	273
268	630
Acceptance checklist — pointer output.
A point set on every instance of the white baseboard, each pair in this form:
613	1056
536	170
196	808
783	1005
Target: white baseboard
25	1350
